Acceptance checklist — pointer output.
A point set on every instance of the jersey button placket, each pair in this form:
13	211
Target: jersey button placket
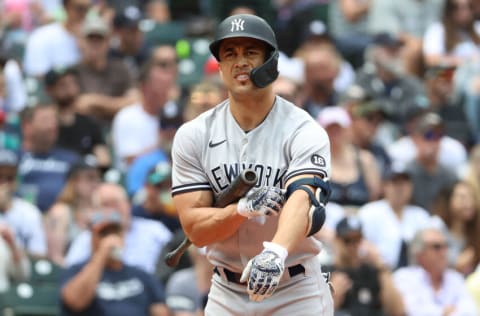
243	152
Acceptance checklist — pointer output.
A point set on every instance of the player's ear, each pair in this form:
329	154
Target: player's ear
220	72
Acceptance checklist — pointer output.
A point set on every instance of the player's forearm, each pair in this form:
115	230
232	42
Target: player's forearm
79	292
210	225
293	221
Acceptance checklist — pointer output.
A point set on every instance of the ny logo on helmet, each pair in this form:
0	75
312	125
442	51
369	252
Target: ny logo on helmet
237	25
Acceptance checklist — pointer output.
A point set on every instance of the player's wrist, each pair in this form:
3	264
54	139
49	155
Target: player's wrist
279	250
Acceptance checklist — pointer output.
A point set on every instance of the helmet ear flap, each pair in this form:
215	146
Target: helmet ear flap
267	73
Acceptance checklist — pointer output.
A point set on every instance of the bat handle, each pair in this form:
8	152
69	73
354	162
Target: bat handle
173	257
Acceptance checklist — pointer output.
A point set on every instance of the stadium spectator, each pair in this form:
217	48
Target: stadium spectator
144	238
390	223
156	202
453	40
129	45
187	289
13	94
68	216
457	207
103	285
428	286
77	132
352	185
19	217
362	283
106	84
473	286
135	127
471	171
428	175
43	166
55	44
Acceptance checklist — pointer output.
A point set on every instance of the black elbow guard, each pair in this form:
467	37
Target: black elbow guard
318	200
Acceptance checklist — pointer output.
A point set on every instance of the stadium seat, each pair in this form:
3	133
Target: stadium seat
45	272
28	299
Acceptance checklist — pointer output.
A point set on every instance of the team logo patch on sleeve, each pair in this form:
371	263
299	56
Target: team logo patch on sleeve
318	160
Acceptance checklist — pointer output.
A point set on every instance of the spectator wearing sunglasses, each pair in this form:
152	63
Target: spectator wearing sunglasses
429	176
428	286
425	132
361	281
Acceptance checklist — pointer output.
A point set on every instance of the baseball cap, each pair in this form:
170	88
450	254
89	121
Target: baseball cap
387	39
85	164
103	218
349	225
95	26
55	74
397	171
129	17
160	173
8	158
428	122
334	115
368	108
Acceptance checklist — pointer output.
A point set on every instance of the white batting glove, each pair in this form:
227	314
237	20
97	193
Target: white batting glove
264	271
264	201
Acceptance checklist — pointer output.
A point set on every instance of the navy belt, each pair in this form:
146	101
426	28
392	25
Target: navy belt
235	277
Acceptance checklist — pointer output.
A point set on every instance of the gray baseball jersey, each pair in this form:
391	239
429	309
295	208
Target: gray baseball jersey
210	151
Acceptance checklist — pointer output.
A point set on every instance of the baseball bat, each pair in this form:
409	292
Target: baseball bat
239	187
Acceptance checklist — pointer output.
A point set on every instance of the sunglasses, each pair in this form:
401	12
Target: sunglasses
351	240
437	246
432	135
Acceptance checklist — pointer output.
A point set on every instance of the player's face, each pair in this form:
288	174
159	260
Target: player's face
238	56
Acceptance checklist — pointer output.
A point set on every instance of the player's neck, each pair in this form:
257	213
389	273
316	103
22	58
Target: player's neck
250	112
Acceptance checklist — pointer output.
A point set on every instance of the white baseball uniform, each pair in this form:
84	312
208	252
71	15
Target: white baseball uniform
211	150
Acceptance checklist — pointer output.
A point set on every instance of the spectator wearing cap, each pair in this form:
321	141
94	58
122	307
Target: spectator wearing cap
135	128
144	238
362	283
55	44
22	225
68	216
43	165
130	46
409	20
157	203
384	78
391	223
367	117
105	82
431	167
355	178
77	132
451	153
444	102
428	286
104	285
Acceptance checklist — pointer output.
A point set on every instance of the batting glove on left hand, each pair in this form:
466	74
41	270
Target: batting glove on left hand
264	201
264	271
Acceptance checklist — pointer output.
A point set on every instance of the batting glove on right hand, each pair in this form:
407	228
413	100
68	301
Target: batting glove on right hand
265	201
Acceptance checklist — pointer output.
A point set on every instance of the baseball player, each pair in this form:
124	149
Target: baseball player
262	247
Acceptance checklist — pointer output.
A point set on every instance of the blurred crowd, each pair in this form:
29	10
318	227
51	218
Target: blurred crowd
93	91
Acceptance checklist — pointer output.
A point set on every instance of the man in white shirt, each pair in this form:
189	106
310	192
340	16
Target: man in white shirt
429	287
55	44
21	217
144	238
391	223
135	127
